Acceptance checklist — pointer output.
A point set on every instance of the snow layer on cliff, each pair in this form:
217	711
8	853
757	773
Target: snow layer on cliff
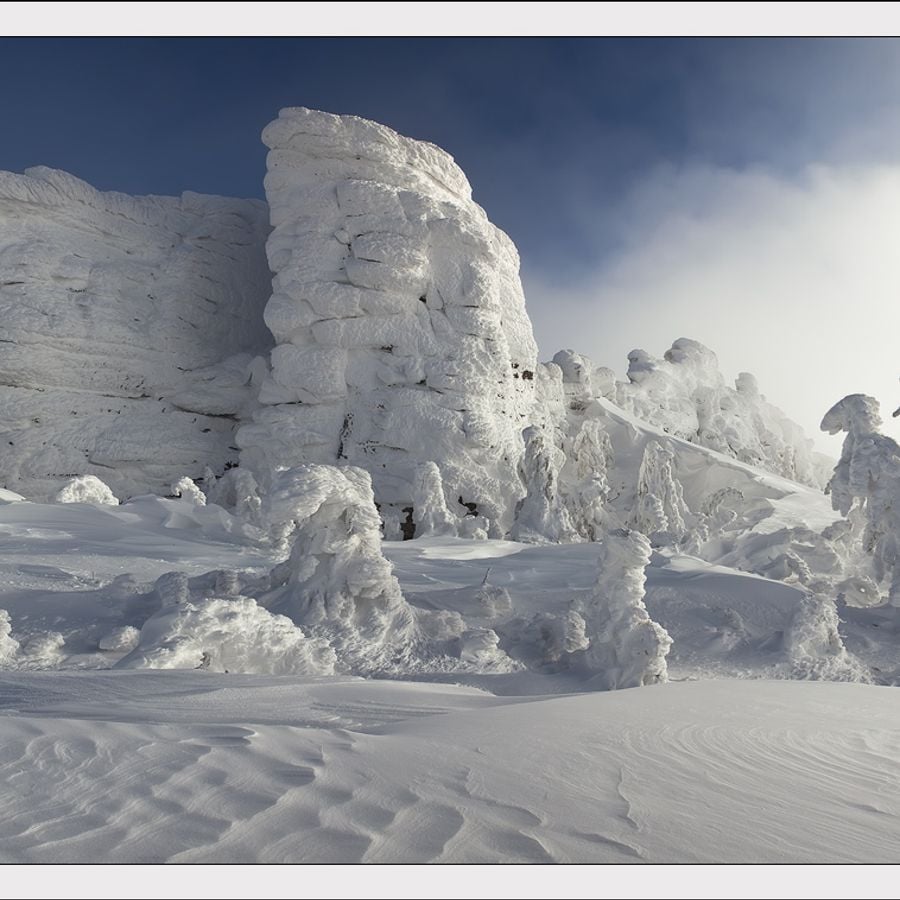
398	313
110	305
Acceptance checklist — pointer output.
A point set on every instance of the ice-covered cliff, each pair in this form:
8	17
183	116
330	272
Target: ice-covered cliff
399	317
112	309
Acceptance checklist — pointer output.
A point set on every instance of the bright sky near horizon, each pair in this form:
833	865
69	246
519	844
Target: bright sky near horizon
742	192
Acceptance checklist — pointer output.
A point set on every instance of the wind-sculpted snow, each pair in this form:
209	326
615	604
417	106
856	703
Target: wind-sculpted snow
113	310
685	394
400	324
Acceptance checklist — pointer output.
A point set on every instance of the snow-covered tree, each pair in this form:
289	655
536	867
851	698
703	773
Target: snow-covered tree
86	489
585	484
541	516
337	583
866	481
627	648
659	510
430	513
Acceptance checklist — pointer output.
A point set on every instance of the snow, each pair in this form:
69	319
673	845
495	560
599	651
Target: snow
199	767
395	302
381	587
685	394
114	308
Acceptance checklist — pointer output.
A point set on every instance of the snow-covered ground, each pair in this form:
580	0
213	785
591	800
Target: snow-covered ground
199	767
729	762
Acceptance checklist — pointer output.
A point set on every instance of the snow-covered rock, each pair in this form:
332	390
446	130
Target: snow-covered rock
399	319
114	308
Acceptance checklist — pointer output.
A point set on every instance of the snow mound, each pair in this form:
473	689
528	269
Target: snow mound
109	305
86	489
227	634
395	304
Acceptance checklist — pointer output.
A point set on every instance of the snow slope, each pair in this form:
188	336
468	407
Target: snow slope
194	767
113	309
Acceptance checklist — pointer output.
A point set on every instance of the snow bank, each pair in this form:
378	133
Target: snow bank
113	307
399	319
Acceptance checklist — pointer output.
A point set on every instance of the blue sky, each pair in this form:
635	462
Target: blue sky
586	151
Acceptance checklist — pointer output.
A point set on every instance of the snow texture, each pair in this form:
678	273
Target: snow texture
399	319
114	308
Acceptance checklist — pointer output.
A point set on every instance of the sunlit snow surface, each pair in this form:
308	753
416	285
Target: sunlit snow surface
146	766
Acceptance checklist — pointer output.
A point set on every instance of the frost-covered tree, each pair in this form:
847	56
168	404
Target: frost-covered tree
541	516
866	484
337	583
188	490
659	510
585	482
431	516
627	648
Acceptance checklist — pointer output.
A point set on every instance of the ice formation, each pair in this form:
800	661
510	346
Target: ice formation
541	514
398	315
112	307
430	513
659	511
